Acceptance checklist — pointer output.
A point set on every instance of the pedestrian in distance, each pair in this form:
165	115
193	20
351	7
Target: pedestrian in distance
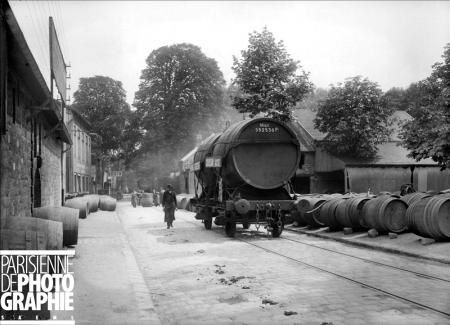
169	203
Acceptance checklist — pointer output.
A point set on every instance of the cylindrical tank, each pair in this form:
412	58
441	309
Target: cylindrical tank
261	152
206	176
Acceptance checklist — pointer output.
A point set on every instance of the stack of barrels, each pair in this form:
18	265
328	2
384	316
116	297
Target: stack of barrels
51	227
425	214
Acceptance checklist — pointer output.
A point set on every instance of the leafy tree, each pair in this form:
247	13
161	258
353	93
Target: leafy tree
354	117
395	99
428	134
180	89
312	100
102	101
268	79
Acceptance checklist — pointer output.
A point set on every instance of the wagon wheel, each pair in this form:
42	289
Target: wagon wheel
208	223
277	230
230	229
207	219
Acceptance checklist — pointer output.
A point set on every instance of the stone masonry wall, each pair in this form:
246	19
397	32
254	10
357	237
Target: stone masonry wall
15	189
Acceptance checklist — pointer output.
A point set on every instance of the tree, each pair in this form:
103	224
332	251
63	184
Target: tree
354	117
268	79
313	99
428	134
102	101
181	90
395	99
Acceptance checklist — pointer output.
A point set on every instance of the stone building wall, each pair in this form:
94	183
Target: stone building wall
15	189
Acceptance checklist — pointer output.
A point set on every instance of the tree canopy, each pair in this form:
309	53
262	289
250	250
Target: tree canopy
267	78
102	101
180	95
354	117
428	134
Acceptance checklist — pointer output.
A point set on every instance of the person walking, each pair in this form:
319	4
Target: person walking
169	203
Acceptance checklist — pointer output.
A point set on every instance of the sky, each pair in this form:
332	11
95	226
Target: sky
391	43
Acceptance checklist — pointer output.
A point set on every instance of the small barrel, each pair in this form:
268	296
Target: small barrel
107	203
22	240
93	202
52	229
147	199
411	197
80	204
385	214
182	201
68	217
430	217
327	214
307	204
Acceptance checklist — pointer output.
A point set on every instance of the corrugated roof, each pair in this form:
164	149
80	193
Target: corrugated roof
390	153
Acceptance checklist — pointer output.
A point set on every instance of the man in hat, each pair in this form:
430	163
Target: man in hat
169	203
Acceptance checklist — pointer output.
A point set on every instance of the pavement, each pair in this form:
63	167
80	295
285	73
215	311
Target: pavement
129	269
407	244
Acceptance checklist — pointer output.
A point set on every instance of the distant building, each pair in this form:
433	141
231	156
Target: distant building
321	171
32	131
78	159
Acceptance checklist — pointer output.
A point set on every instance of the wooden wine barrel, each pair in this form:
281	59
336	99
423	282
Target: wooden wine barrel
327	213
68	217
80	204
93	202
307	204
22	240
349	213
430	217
108	203
411	197
385	214
52	229
147	199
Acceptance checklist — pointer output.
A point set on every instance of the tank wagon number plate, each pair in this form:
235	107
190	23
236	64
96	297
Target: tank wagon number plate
266	128
213	162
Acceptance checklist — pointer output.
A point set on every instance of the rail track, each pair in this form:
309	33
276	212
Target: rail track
434	297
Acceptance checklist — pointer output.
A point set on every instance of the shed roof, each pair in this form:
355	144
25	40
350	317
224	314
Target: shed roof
389	153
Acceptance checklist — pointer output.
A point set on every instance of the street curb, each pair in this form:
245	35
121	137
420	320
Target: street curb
319	234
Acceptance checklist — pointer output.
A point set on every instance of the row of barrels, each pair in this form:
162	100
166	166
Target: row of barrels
425	214
150	199
91	203
51	227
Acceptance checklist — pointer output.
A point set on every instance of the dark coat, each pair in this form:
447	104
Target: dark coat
169	202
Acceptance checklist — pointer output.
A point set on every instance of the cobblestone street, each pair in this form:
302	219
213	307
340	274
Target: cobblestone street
187	275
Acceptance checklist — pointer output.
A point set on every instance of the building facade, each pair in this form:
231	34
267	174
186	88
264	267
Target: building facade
78	158
31	125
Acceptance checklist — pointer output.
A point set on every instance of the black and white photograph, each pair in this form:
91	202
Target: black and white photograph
224	162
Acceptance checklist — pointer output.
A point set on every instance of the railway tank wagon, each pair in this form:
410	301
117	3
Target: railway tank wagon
244	175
